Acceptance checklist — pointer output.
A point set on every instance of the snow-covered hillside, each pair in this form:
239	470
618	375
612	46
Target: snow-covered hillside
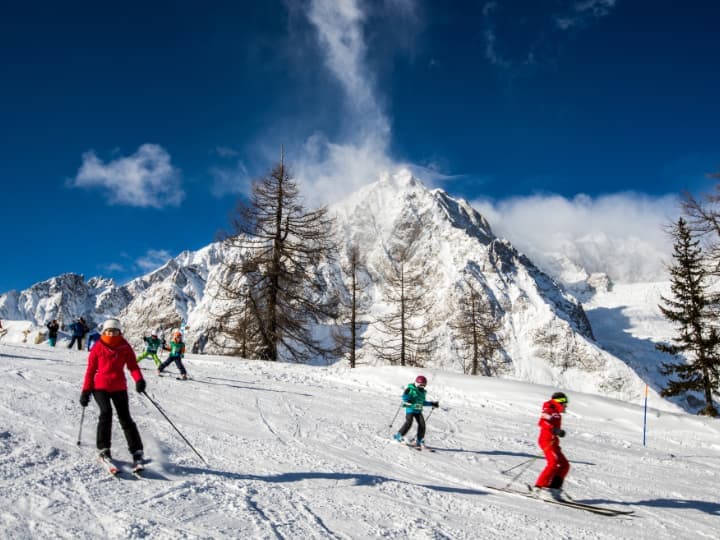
304	452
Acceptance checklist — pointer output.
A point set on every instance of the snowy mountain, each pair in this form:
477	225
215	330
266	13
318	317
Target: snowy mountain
295	451
546	337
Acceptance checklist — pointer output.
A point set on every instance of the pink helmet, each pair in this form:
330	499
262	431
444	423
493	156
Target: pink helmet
421	380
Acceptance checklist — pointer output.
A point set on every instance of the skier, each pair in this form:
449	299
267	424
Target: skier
105	380
153	344
53	328
177	351
92	339
552	477
414	400
79	329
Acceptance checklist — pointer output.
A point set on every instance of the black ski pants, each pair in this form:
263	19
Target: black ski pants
418	416
79	342
105	400
178	364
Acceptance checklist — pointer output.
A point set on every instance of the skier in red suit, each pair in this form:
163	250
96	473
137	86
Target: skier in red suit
550	422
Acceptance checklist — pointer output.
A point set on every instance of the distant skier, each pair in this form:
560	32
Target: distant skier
53	328
105	381
552	477
92	339
414	400
153	343
79	329
177	351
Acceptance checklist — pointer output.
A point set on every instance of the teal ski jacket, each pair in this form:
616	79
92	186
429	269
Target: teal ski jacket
414	399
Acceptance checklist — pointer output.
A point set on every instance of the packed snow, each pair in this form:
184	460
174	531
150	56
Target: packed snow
297	451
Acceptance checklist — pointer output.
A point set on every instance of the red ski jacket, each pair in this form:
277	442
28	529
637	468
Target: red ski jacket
105	367
550	419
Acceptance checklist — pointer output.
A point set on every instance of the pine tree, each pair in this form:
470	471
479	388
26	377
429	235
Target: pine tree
687	309
270	294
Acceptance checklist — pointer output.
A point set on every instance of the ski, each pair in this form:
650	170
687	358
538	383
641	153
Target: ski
599	510
109	465
421	448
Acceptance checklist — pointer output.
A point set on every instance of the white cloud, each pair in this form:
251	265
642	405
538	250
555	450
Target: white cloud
622	234
147	178
153	259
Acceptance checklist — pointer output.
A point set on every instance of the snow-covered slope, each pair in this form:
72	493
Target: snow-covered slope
304	452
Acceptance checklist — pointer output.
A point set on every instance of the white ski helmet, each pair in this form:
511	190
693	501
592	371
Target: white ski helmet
111	323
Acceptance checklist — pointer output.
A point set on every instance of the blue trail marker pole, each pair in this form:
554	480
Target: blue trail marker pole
645	415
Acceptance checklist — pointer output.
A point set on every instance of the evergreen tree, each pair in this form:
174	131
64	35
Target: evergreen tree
271	291
687	309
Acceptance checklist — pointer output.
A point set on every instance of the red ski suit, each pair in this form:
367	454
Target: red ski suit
557	465
105	367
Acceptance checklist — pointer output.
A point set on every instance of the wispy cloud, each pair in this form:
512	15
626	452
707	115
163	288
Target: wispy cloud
621	234
334	168
518	37
153	259
225	180
579	14
146	178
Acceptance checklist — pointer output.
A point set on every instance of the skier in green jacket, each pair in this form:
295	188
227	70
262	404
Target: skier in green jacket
153	343
414	400
177	351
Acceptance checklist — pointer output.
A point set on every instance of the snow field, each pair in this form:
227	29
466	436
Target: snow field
305	452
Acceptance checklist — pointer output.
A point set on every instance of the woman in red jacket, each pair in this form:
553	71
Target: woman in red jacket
557	467
105	380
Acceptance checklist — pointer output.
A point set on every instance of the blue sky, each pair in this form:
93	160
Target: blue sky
127	130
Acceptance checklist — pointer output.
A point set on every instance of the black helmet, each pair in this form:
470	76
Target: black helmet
560	397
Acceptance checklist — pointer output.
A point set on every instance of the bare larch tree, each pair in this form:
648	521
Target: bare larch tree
347	335
272	291
476	324
404	329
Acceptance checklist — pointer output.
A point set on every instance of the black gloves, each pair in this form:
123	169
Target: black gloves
85	398
559	432
140	386
435	404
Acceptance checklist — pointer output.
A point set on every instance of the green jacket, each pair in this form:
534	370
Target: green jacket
176	348
153	344
414	399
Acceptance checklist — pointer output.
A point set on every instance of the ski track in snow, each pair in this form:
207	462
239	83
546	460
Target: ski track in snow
305	452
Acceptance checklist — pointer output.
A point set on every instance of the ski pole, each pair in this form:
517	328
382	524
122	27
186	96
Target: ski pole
394	417
522	471
175	427
518	465
82	417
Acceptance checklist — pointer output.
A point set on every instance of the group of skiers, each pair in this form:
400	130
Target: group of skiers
551	479
105	381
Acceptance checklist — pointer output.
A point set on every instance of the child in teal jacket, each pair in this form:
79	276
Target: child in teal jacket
152	345
414	400
177	351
